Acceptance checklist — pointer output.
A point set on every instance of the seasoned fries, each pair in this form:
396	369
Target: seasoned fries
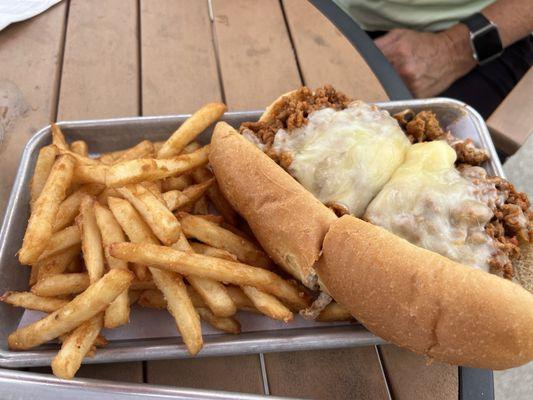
45	162
93	219
219	237
45	209
208	267
147	169
190	129
118	312
33	302
85	306
75	346
91	240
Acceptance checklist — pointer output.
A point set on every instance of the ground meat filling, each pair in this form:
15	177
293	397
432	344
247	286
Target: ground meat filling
512	220
293	112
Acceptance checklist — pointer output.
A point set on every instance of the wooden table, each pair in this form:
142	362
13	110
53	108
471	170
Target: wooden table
118	58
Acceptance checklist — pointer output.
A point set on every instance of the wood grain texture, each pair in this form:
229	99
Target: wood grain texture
256	58
236	374
411	377
179	71
30	58
100	77
512	122
352	373
326	56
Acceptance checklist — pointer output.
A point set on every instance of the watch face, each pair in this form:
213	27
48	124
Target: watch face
487	44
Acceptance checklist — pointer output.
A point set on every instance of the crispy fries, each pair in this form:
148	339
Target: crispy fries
175	199
267	304
176	183
85	306
149	169
190	129
58	139
158	217
80	147
33	302
209	267
76	346
334	312
45	209
61	284
118	312
60	241
56	264
43	166
219	237
91	240
70	207
226	324
141	150
90	174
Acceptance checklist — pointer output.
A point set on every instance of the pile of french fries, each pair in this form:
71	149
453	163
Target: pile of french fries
145	225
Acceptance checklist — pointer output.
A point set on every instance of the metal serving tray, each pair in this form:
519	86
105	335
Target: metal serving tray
115	134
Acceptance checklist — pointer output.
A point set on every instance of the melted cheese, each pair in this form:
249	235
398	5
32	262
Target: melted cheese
430	204
346	156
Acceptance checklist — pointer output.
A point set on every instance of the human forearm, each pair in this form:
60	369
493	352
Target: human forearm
513	17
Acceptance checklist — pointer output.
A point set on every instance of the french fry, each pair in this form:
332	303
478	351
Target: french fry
176	183
143	285
149	169
58	139
158	217
175	199
225	324
60	241
43	166
80	147
56	264
31	301
61	284
134	296
201	207
154	188
158	145
80	160
91	240
140	150
70	207
217	236
39	230
170	284
193	146
334	312
240	299
83	307
168	259
75	347
263	302
100	341
106	194
216	196
155	299
267	304
190	129
215	219
213	293
90	174
118	312
33	275
75	265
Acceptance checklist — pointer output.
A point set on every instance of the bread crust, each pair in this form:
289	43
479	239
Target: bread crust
425	302
288	221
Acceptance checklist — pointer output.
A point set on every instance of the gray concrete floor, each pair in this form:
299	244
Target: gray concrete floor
514	384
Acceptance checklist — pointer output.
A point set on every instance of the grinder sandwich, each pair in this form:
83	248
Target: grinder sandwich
404	293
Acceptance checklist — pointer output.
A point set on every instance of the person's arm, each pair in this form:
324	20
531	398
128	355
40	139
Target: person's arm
430	62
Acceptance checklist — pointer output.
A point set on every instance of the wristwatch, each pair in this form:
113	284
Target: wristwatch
484	38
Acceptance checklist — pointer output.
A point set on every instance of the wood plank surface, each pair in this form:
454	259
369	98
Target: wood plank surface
236	374
326	56
100	77
257	61
30	59
512	122
352	373
412	377
179	70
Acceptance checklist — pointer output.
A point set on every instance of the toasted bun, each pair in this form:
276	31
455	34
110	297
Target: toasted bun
420	300
288	221
272	110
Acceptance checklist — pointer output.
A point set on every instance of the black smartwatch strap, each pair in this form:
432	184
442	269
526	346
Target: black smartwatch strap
476	22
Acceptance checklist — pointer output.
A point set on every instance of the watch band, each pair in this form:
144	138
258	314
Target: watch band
476	22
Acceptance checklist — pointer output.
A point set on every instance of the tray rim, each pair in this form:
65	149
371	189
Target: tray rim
249	342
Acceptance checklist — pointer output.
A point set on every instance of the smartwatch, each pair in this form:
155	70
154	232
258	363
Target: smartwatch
484	38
